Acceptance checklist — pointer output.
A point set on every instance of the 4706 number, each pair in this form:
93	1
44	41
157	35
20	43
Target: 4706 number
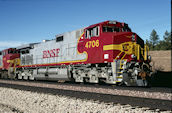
92	44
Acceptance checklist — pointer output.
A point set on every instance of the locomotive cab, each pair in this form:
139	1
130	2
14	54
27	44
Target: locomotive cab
10	59
8	56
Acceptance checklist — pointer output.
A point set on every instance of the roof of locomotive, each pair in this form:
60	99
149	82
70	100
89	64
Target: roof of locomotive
7	49
108	22
61	34
30	45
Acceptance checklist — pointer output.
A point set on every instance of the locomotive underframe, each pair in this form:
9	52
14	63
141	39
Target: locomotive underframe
118	72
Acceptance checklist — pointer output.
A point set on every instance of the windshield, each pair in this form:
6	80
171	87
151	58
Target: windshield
126	29
116	29
110	29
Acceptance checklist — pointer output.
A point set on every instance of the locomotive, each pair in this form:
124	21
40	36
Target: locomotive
106	52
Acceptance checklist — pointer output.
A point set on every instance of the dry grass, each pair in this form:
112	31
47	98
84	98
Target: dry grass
161	60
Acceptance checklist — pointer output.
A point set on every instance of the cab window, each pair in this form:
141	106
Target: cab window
10	51
125	29
92	32
110	29
26	51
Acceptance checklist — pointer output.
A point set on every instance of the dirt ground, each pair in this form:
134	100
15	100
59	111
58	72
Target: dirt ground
161	60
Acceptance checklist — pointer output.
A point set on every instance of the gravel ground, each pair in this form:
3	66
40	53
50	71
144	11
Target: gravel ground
14	100
142	92
8	109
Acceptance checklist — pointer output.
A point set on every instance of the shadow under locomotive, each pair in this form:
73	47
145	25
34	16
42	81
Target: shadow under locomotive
123	100
161	79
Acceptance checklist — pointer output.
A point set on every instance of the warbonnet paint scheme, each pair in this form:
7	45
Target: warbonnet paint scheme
105	52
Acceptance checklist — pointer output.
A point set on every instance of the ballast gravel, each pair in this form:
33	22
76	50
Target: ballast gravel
18	101
115	91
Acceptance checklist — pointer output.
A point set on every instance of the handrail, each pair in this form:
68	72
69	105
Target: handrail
138	52
146	50
121	60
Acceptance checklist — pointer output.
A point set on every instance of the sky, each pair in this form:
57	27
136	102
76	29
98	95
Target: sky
29	21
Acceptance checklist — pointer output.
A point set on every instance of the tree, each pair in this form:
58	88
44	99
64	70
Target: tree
161	45
148	43
154	38
167	40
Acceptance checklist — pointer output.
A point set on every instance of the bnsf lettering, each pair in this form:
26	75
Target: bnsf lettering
51	53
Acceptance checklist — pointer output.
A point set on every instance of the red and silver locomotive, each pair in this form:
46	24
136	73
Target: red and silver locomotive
105	52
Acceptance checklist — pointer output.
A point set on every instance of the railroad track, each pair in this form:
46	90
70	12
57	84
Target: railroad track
153	98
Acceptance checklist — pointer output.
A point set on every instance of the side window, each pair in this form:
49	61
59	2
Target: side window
97	31
25	51
86	34
92	32
22	52
60	38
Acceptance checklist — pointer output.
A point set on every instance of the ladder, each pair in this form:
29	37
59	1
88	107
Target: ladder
120	67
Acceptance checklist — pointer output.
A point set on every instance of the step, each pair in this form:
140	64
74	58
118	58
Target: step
119	77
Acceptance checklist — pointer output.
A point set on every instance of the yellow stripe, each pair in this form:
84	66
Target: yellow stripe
112	47
126	47
119	46
118	81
